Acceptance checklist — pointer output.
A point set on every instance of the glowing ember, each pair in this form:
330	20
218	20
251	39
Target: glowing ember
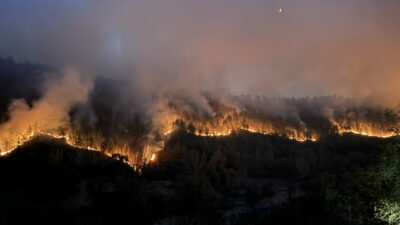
168	132
6	152
364	129
153	157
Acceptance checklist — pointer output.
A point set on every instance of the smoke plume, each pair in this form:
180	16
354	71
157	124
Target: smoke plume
229	64
47	114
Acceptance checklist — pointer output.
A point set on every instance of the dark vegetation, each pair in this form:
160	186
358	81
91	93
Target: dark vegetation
257	179
115	117
241	179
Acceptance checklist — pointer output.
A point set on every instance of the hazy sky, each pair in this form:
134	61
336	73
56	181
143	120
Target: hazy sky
315	47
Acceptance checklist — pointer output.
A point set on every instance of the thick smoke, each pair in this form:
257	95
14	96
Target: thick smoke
313	48
157	61
47	114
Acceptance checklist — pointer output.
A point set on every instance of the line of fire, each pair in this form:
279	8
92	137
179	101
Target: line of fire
220	125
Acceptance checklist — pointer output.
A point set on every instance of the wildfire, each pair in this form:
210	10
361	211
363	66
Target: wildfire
225	124
168	132
23	139
223	132
216	134
66	138
6	152
369	134
136	161
364	129
207	128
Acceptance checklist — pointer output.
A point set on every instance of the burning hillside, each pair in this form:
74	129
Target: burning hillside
99	115
300	120
223	112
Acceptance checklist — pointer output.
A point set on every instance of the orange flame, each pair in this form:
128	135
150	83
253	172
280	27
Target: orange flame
214	128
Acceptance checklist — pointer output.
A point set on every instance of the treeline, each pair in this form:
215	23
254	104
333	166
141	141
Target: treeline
323	182
241	179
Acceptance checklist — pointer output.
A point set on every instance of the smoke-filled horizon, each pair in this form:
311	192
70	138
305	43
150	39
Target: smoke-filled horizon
101	115
311	48
143	68
228	111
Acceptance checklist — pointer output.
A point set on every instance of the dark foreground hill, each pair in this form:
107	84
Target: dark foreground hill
242	179
47	180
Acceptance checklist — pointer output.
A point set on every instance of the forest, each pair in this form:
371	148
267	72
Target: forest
185	112
241	179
